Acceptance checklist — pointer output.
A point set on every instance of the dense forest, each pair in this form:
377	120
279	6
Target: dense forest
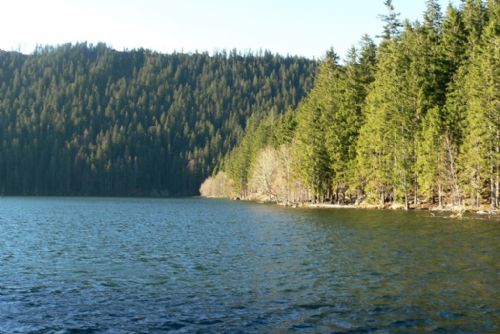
411	122
89	120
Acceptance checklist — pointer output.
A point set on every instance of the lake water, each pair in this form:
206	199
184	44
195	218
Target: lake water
75	265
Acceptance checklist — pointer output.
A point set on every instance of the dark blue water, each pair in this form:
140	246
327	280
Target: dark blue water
70	265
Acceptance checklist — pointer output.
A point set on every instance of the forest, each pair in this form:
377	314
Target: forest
413	122
89	120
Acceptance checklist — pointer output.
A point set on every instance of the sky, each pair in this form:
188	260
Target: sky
295	27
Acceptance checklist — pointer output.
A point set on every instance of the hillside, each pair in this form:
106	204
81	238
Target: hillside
89	120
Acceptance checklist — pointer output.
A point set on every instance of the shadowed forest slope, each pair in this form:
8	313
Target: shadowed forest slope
89	120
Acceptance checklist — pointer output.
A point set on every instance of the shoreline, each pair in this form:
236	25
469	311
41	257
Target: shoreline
455	211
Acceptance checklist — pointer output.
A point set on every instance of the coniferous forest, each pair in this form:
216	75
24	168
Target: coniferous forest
411	122
89	120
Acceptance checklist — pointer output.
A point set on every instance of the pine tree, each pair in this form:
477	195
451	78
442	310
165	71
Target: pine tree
453	42
344	117
453	50
474	15
335	118
386	146
239	161
431	157
374	162
285	129
480	156
312	164
432	16
367	63
392	24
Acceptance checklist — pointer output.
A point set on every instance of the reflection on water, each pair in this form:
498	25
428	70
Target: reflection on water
193	265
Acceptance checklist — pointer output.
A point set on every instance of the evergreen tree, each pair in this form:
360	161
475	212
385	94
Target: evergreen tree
432	16
367	63
417	117
285	129
343	117
453	43
374	156
392	24
312	164
88	120
474	15
433	178
480	156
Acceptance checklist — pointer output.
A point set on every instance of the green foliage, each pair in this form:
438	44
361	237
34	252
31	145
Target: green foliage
392	24
285	129
344	116
481	154
372	167
80	119
416	120
240	161
309	147
429	152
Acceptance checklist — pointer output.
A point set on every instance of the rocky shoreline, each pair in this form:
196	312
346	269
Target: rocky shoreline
454	211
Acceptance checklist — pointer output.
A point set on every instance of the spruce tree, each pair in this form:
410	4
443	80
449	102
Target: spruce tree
374	146
312	164
480	156
392	24
474	15
344	116
432	157
367	63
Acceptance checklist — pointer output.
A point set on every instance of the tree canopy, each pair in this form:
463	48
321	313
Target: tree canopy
89	120
414	121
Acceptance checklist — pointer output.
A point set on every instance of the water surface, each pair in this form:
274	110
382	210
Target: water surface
192	265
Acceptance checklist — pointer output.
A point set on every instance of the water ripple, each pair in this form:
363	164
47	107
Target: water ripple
71	265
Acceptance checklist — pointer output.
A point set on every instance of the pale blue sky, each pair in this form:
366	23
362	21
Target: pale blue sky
297	27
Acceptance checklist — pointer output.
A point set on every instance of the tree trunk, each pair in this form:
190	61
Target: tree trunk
492	192
440	196
497	172
415	197
497	183
455	187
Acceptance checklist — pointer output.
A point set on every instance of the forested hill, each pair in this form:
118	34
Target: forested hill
89	120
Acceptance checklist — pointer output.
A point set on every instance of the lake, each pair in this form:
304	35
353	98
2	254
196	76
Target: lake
85	265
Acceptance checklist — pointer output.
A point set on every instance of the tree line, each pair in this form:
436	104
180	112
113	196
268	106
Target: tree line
89	120
412	122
